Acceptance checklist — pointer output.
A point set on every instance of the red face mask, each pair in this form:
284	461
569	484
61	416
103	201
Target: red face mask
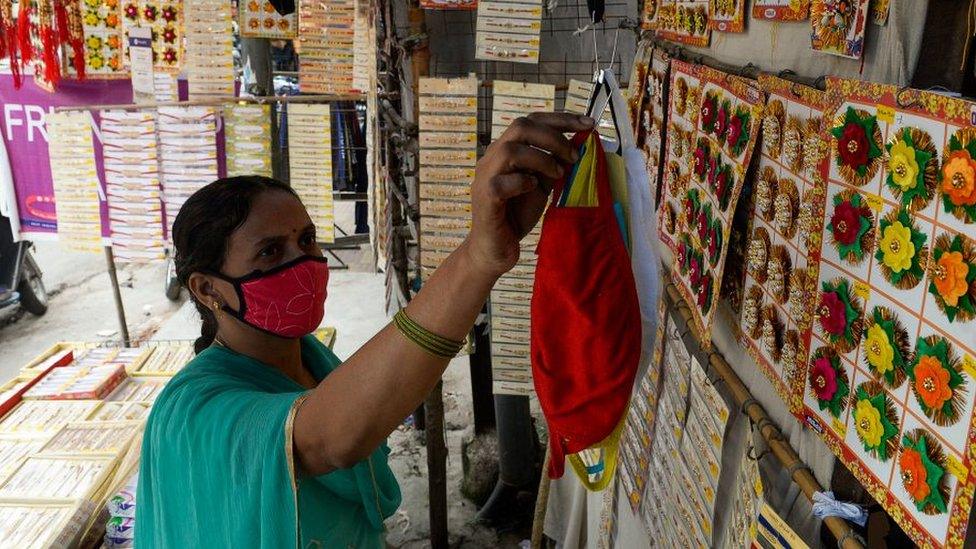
286	301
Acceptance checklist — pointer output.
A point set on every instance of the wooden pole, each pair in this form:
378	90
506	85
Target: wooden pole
117	294
541	504
780	447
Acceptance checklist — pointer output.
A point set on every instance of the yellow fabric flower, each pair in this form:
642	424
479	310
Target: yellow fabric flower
897	246
94	42
867	420
879	350
902	165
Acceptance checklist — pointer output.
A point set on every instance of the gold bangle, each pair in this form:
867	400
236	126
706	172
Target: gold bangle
424	338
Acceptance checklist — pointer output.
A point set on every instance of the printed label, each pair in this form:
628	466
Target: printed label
886	114
839	427
862	290
957	469
874	202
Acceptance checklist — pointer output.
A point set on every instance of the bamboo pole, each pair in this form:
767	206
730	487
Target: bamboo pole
541	504
778	445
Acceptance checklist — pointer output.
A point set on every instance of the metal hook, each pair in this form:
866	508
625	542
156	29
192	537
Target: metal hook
752	456
596	51
821	82
793	88
613	54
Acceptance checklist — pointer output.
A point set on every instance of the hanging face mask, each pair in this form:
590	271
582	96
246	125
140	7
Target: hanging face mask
287	301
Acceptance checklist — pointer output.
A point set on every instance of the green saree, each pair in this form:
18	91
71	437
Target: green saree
217	465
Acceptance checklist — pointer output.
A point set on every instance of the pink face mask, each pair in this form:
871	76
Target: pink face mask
287	301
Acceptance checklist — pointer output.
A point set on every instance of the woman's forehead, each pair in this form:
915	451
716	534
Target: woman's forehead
273	213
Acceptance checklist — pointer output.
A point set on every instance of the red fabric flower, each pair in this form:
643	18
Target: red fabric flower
823	379
712	170
149	13
689	209
132	11
695	275
702	226
832	313
169	36
169	14
709	110
700	162
722	122
682	253
853	145
713	242
704	289
721	184
735	130
846	223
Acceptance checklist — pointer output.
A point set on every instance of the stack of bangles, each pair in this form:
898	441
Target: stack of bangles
424	338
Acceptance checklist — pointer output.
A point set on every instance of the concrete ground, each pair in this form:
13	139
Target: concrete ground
82	309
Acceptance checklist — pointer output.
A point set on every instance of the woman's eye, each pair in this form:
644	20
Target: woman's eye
269	251
308	240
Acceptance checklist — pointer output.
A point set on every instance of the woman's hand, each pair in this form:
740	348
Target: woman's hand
511	187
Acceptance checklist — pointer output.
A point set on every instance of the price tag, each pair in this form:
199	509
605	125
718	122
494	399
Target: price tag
753	530
874	202
839	427
957	469
758	487
969	364
886	114
862	290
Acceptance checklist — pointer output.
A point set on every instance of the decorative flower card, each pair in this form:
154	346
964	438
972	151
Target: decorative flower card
165	18
784	229
781	10
649	116
891	379
727	15
838	26
259	19
714	120
685	21
102	45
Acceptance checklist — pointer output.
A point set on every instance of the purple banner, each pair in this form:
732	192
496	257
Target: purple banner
22	126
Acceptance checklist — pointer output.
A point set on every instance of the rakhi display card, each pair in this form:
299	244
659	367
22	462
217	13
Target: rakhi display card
635	442
649	13
209	48
684	21
727	15
259	19
784	236
75	177
364	46
188	154
891	378
514	99
165	19
327	37
879	11
509	30
103	41
512	372
742	522
838	26
781	10
714	120
248	137
651	119
449	4
132	183
448	154
310	163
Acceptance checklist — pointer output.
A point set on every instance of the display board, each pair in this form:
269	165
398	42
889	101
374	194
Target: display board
838	26
727	15
783	249
310	164
650	131
713	122
259	19
327	39
209	48
742	522
448	155
166	19
890	385
247	130
75	178
781	10
132	183
684	21
508	30
188	153
510	298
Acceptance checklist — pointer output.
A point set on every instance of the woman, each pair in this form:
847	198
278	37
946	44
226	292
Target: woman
264	439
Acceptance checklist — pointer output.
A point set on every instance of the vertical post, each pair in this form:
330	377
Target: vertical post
482	401
117	293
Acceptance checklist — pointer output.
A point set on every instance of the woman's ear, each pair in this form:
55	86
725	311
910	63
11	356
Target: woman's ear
207	290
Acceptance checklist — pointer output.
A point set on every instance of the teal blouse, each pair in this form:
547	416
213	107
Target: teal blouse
217	465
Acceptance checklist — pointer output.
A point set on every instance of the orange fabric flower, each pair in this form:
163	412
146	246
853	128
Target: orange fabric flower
959	178
950	277
914	475
932	382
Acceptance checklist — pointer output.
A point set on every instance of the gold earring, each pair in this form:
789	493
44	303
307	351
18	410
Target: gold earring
217	312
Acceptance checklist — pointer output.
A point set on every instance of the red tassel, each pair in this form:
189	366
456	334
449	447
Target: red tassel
61	20
10	36
78	49
52	69
23	33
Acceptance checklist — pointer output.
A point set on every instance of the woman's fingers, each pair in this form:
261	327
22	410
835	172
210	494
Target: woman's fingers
515	157
509	185
545	131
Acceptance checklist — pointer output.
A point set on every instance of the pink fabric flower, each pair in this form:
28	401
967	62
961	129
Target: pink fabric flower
700	162
713	170
823	379
722	122
702	226
713	242
704	289
735	130
695	276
